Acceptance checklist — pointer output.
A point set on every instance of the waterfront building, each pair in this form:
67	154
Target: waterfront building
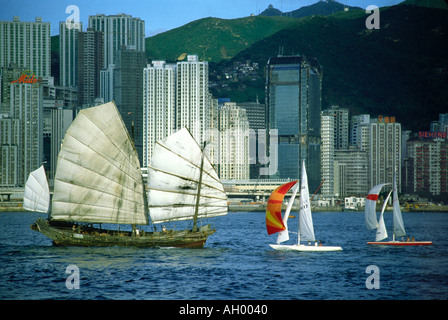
233	142
119	30
356	130
159	105
430	165
350	172
256	115
384	152
334	136
341	126
21	109
90	62
128	92
293	101
68	54
193	98
9	153
26	45
328	149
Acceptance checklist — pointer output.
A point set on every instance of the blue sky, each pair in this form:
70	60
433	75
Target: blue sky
159	15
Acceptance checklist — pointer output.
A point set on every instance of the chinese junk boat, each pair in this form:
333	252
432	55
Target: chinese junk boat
275	223
398	225
98	180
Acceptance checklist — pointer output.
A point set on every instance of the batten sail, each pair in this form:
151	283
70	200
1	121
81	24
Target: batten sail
98	177
37	194
173	180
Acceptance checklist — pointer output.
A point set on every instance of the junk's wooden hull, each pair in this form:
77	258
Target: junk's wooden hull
66	236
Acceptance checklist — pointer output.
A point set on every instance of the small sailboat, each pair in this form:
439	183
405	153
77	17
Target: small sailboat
275	223
99	181
398	225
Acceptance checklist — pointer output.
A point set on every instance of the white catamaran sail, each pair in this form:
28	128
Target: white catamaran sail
98	177
37	194
174	176
306	228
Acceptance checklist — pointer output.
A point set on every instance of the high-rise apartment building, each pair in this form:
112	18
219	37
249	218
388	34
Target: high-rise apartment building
119	30
9	156
26	45
293	100
22	125
128	92
341	126
356	135
193	97
256	115
233	142
68	54
159	105
350	172
328	149
90	63
430	166
384	152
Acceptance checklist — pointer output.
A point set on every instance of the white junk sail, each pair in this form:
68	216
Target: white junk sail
306	229
398	219
98	177
370	207
37	193
173	180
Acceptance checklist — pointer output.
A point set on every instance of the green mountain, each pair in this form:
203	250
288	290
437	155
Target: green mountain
439	4
399	70
214	39
322	8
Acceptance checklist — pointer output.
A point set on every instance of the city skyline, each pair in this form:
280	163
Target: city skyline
161	16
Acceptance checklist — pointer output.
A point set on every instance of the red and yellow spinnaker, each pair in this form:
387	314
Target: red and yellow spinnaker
274	221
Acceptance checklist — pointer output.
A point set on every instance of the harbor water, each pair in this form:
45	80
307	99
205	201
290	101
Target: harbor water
235	264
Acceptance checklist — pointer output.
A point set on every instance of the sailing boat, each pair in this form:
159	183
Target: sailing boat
398	229
98	180
274	222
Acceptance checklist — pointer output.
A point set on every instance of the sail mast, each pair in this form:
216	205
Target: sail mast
196	210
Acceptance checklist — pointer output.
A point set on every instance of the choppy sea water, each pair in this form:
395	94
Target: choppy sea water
236	264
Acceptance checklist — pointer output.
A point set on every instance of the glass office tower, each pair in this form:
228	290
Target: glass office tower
293	99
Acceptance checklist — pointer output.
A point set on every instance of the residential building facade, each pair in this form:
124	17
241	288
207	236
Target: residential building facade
26	45
159	105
